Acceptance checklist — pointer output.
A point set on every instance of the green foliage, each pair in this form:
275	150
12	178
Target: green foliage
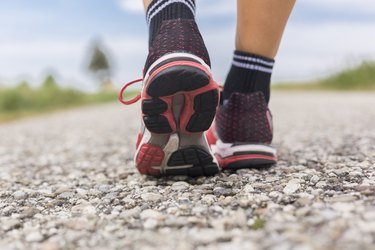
100	67
22	100
361	78
258	224
99	61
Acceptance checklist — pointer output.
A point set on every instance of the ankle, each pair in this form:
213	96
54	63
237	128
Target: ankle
178	36
161	10
249	73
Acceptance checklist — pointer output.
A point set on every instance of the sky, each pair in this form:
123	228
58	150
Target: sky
41	37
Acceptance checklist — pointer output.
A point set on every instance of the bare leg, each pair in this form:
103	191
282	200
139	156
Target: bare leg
260	25
146	3
244	116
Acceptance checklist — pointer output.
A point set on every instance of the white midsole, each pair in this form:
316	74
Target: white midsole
174	167
170	147
227	149
170	56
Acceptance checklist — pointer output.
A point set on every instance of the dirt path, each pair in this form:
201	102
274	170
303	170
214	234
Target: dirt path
67	182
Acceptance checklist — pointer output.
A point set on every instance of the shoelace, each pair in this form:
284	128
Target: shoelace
121	93
136	99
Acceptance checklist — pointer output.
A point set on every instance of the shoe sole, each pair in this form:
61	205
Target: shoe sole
172	160
179	103
189	80
237	156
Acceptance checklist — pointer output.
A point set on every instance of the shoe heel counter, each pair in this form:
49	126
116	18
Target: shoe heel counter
245	119
176	36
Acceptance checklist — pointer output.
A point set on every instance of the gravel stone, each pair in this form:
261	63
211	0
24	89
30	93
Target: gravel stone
85	193
151	214
321	184
134	212
151	197
29	212
34	237
150	224
292	186
84	208
222	191
342	198
180	186
66	195
104	188
314	179
19	195
248	188
63	189
209	199
9	224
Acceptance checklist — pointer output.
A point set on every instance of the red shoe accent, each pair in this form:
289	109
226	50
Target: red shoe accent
224	162
168	113
187	113
210	136
178	63
269	118
139	139
188	110
121	93
189	96
149	156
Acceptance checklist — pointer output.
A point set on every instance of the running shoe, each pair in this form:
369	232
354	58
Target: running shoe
242	133
179	102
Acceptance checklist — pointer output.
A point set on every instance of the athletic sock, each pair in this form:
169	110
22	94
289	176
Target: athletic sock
162	10
249	73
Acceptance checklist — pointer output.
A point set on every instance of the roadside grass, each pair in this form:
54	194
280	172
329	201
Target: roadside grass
23	101
361	78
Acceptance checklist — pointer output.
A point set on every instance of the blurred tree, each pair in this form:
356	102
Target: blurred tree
100	67
24	86
50	83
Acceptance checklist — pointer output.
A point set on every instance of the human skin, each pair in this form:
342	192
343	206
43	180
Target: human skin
146	3
260	25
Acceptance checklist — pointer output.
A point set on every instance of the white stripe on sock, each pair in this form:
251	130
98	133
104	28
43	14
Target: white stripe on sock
151	9
253	59
160	8
167	57
191	4
252	67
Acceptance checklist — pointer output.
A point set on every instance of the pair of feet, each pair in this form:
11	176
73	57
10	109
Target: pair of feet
186	128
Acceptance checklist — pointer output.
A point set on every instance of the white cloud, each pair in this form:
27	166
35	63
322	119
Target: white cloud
206	7
215	7
32	60
228	7
308	50
348	6
131	5
312	50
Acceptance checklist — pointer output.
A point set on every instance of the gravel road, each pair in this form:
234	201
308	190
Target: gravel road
67	182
